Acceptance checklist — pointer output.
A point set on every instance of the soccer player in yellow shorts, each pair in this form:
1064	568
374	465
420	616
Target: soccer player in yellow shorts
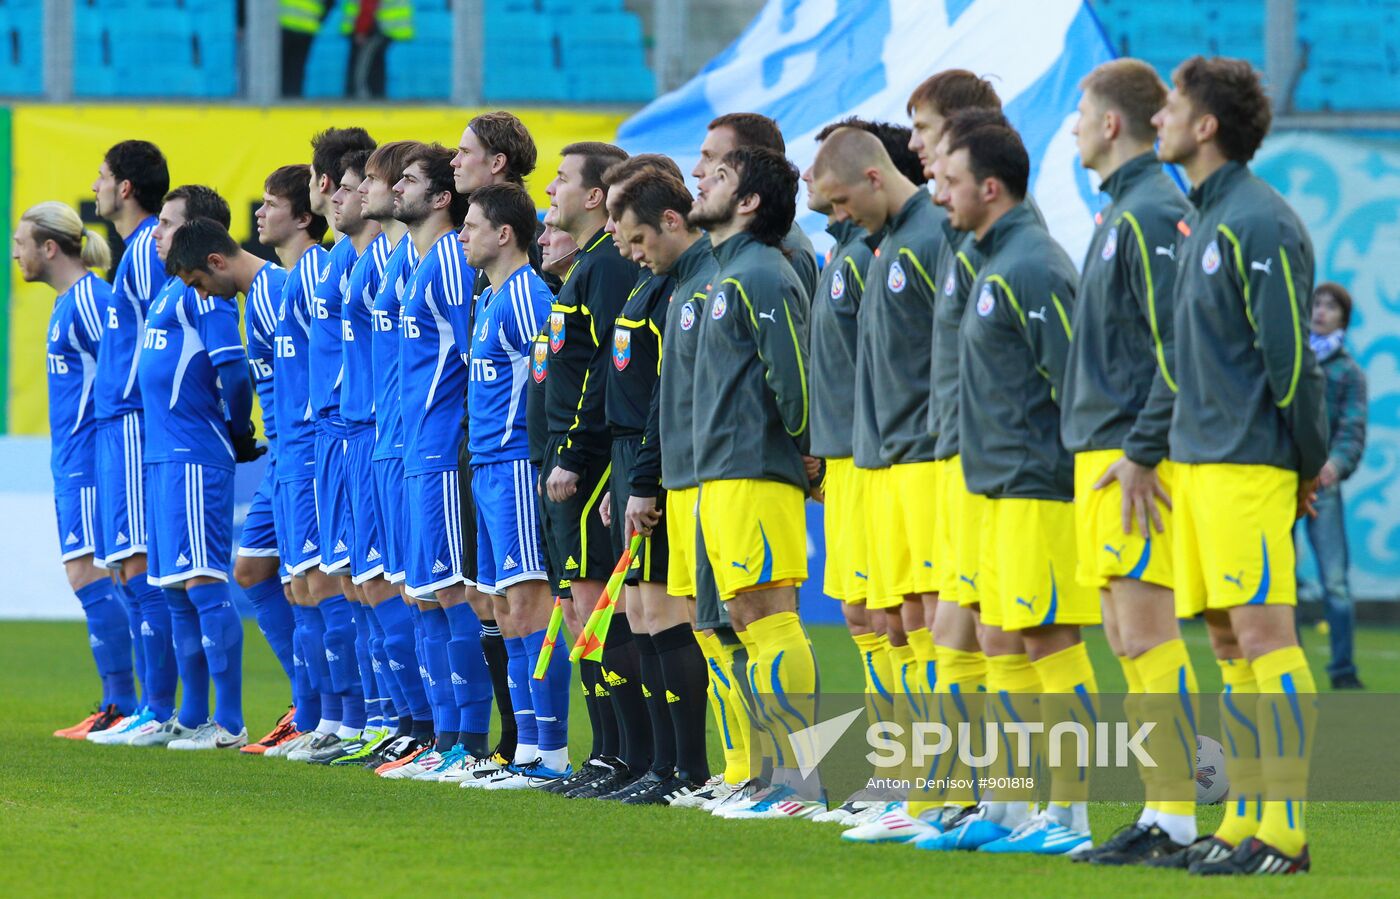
1248	436
1013	349
751	432
1117	409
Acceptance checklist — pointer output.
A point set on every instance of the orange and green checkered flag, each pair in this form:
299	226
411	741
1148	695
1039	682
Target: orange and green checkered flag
551	639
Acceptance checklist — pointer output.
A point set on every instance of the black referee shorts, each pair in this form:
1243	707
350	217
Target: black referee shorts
577	544
650	564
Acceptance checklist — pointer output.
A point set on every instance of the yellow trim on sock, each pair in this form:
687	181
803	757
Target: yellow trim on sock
1067	670
1130	674
1012	673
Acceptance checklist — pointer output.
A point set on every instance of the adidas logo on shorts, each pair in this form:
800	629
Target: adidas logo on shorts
339	546
121	538
206	642
372	555
570	563
510	563
72	538
395	666
146	629
438	567
308	547
458	680
181	561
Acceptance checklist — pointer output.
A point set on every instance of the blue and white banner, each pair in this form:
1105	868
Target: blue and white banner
811	62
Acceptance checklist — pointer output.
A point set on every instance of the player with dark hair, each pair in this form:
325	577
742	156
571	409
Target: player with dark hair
1248	437
287	224
51	246
434	376
895	138
1009	432
509	314
1115	415
130	187
577	466
194	370
939	97
328	148
206	257
750	422
750	129
833	337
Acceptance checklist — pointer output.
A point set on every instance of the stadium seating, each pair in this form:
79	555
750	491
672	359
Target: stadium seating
21	48
154	48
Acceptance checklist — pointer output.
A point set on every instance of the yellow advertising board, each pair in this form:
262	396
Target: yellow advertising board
57	149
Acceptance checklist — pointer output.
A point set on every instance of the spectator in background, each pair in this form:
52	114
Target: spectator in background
1346	420
300	20
371	25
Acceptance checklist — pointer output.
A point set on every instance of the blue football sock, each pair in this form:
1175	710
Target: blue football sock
385	687
189	659
339	616
419	631
274	616
436	635
400	647
132	607
364	663
161	674
306	700
110	640
518	664
550	695
221	635
471	681
313	644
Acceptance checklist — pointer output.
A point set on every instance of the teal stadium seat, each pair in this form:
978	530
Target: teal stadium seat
21	48
155	48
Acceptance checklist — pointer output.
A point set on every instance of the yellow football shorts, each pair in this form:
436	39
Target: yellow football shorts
886	558
682	519
845	576
971	518
755	533
1233	543
1105	552
913	500
1031	583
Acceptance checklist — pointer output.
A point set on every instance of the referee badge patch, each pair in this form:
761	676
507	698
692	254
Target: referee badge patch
1210	259
556	331
985	301
950	285
838	286
896	279
687	316
538	360
622	348
1110	244
721	306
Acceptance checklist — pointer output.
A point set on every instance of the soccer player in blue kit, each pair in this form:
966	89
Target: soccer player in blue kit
205	256
433	378
510	562
52	247
194	376
131	183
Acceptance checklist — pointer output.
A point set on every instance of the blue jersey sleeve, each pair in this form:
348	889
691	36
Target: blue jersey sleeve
216	320
530	301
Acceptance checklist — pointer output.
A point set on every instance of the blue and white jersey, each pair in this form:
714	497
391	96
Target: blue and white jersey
357	318
507	320
388	306
187	338
260	324
327	365
140	276
75	333
434	377
296	427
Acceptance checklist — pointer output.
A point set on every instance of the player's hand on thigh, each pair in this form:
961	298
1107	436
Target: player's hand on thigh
1142	491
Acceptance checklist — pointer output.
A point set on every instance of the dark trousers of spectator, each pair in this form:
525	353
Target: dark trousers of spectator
1327	535
296	49
366	75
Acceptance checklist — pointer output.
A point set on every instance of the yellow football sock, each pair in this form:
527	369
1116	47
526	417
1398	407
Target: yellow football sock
731	718
787	677
1067	677
1015	686
1132	706
1287	696
926	654
762	751
959	693
1239	719
1169	696
875	663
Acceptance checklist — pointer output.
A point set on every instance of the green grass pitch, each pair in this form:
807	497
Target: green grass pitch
79	819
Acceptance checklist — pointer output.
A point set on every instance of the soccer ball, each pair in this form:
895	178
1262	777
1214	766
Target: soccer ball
1211	782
